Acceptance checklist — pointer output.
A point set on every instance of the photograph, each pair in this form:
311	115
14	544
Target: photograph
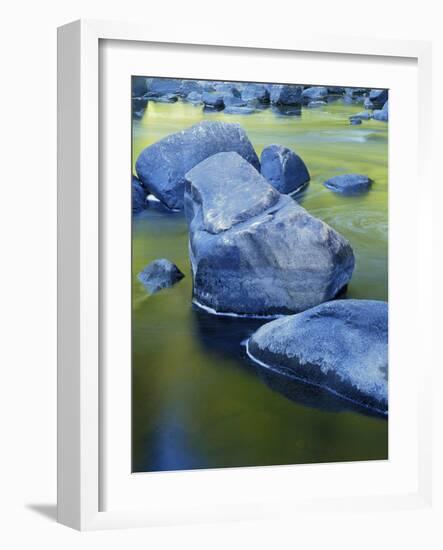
259	273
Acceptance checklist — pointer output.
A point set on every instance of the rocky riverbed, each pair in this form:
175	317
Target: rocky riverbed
269	236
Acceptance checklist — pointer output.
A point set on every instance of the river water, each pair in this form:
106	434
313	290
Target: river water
198	402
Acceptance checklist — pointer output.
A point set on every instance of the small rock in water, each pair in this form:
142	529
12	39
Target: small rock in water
283	169
354	121
349	184
159	274
340	345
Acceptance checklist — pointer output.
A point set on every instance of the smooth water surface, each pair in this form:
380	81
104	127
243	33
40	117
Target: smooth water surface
198	402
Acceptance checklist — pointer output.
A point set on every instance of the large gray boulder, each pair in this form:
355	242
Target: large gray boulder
254	251
162	166
340	345
159	274
285	94
283	169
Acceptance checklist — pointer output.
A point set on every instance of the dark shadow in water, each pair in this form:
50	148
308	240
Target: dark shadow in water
226	336
286	110
48	511
309	395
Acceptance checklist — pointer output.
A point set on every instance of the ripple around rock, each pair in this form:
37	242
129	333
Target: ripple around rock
340	345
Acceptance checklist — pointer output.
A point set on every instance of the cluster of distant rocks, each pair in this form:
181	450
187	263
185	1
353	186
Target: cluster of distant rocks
247	98
255	252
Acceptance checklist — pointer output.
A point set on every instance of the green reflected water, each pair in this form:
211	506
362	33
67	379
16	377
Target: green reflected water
197	401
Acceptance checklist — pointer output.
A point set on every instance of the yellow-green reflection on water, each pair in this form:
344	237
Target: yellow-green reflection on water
197	402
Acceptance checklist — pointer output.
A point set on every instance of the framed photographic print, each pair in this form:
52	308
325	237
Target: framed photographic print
235	250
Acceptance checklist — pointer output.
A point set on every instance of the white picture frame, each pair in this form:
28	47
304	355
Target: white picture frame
80	393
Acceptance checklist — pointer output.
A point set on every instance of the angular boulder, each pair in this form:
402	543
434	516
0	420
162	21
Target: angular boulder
254	251
239	110
349	184
159	274
139	195
285	94
162	166
283	169
316	103
341	346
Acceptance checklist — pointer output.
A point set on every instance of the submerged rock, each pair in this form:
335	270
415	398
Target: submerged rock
159	274
316	103
354	121
162	166
283	169
286	110
285	94
139	195
239	110
340	345
253	250
349	184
